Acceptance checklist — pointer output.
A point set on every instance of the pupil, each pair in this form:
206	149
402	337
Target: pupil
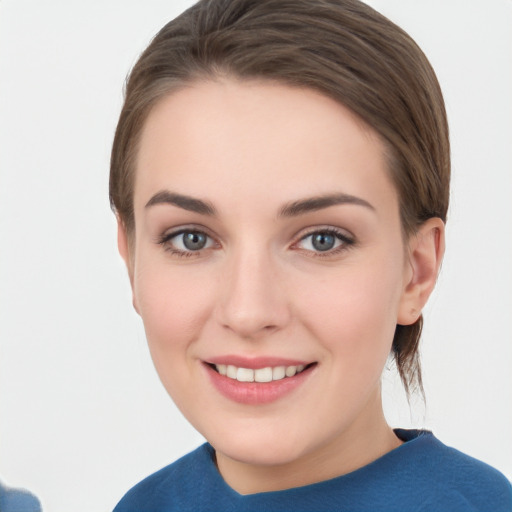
323	241
194	241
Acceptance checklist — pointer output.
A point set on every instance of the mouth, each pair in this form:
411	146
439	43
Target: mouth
260	375
257	381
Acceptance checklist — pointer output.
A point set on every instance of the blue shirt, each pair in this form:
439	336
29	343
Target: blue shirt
17	500
420	475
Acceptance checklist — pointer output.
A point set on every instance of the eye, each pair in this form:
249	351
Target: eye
325	241
186	241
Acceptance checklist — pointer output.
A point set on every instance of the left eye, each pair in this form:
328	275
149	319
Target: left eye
189	241
323	241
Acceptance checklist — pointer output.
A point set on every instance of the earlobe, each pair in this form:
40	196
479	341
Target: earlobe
125	251
426	250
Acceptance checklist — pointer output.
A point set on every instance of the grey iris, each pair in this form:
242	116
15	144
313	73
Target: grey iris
194	241
323	241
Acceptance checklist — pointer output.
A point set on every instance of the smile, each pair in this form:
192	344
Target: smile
268	380
267	374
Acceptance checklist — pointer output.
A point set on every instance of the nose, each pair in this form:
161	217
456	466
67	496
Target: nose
253	301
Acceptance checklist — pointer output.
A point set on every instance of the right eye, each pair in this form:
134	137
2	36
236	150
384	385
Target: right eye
186	242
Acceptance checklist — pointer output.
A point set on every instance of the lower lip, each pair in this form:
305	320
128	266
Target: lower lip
256	393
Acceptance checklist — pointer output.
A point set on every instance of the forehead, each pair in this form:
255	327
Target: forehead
257	137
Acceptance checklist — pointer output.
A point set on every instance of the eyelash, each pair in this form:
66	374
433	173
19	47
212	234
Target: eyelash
167	237
346	242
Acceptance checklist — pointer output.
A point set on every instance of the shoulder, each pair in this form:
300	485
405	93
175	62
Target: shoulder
451	478
172	486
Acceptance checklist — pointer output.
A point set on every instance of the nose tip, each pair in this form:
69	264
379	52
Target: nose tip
249	324
253	300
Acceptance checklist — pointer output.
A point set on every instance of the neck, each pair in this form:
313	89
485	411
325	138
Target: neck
367	439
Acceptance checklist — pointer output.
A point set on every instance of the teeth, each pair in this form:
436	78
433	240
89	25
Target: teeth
267	374
278	373
291	371
245	375
263	374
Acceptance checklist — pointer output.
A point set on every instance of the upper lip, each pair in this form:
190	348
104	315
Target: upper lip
254	363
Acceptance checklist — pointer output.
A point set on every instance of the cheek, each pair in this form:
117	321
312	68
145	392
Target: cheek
173	305
353	314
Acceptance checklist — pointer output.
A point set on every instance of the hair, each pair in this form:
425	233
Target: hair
341	48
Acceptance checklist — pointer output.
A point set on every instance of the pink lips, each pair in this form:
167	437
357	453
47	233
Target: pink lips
255	393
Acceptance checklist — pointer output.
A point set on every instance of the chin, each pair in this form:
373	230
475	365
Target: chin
261	450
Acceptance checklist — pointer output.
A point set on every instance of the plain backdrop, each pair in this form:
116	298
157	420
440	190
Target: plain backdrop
82	414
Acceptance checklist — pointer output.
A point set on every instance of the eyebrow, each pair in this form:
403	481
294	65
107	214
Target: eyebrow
312	204
181	201
292	209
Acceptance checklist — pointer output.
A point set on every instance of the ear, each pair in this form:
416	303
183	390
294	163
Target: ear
425	254
126	252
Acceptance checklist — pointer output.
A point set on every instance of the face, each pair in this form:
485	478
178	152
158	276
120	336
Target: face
268	267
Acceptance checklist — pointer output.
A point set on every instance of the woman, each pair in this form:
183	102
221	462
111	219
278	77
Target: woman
280	174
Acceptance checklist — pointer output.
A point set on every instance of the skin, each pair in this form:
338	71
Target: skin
260	288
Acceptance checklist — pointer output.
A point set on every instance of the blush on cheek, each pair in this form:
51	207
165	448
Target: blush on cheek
171	293
356	317
172	322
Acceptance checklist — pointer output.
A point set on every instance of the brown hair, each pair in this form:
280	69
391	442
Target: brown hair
342	48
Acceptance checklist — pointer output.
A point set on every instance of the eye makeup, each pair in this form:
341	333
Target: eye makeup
324	242
320	242
187	241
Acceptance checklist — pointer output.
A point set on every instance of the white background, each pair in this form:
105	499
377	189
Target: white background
82	413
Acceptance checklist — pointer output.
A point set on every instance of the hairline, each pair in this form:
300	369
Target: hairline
214	73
